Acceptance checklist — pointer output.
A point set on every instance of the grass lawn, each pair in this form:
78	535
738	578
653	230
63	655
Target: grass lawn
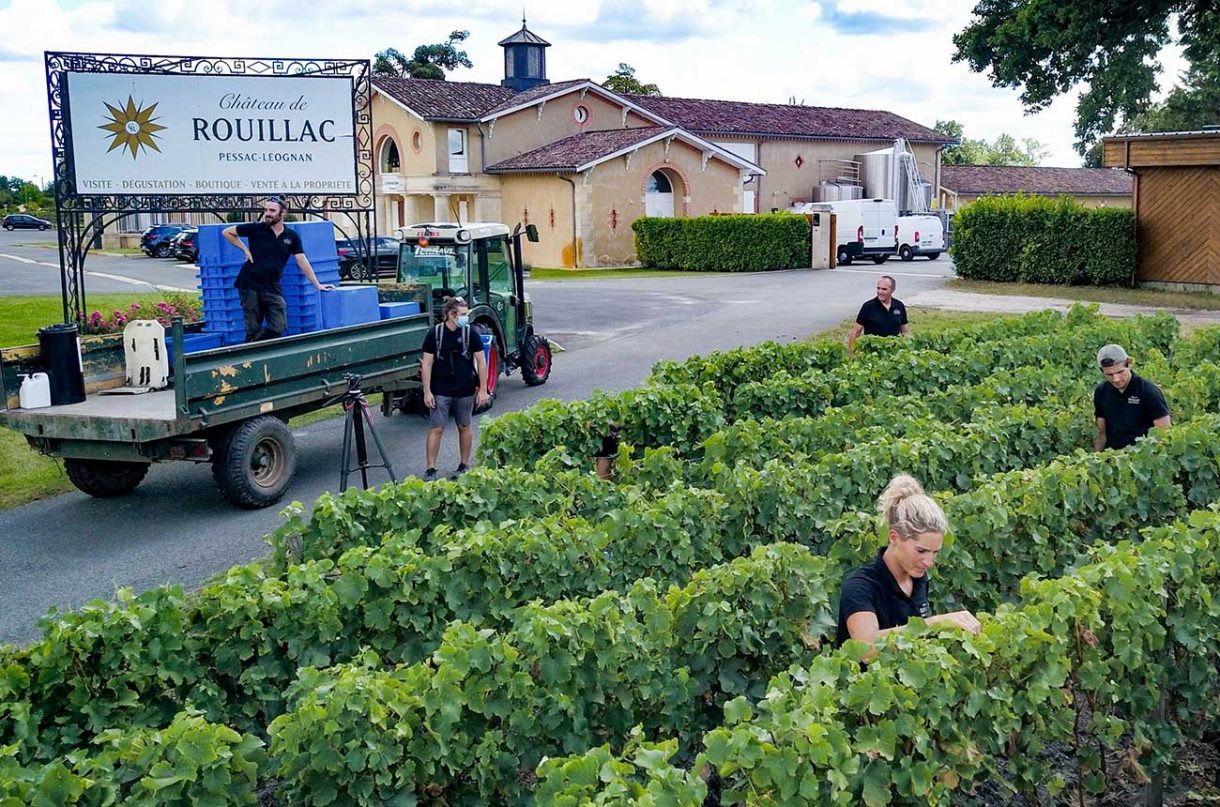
28	475
542	273
1203	301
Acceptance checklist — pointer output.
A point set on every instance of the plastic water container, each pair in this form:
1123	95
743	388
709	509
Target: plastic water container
35	391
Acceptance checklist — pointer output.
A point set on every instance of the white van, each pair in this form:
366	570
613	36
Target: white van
920	235
864	228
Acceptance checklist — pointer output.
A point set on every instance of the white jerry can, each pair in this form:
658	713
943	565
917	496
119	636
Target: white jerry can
35	392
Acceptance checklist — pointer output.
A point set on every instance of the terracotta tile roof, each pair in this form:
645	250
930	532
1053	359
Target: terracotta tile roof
444	100
709	117
572	152
533	94
981	179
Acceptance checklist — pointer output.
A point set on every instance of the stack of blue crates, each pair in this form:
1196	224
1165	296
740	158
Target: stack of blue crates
219	262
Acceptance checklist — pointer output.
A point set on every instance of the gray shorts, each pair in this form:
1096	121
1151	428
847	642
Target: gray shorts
461	408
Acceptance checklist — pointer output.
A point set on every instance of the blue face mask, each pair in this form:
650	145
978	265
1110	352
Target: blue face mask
463	320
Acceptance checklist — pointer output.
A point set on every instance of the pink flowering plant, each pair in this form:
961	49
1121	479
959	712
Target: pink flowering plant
189	308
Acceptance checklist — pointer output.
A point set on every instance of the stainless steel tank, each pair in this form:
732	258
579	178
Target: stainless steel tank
877	173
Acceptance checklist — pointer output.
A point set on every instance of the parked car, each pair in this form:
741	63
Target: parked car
185	245
20	221
155	240
354	266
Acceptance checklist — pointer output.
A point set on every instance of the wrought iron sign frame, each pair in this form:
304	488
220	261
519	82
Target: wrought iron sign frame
81	218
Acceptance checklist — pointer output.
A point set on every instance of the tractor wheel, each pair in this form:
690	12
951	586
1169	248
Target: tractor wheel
536	360
255	463
105	479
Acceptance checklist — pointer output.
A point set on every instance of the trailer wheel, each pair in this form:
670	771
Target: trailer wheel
536	360
906	253
844	258
105	478
255	463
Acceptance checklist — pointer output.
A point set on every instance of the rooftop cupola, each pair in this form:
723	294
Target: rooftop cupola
524	59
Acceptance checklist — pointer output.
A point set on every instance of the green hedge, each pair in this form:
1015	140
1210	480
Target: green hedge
742	243
1037	240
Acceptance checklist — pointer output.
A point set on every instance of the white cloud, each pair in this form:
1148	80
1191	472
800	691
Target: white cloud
749	51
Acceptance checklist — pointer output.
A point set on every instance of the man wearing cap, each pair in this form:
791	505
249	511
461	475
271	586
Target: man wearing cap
258	282
1125	405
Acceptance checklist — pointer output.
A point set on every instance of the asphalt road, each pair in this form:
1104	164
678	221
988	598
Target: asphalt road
29	265
175	528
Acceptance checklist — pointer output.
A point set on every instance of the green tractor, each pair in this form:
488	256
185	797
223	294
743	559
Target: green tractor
481	263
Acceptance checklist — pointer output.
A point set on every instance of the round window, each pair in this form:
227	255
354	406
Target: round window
417	141
581	113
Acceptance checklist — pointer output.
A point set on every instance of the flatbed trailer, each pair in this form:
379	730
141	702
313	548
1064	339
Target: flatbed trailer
228	406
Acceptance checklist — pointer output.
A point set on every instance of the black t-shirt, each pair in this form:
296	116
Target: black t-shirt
873	588
453	370
879	322
1128	414
270	252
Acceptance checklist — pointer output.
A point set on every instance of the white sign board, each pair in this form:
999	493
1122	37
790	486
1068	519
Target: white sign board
154	134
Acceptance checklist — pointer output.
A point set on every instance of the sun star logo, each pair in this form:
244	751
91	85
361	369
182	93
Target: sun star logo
132	127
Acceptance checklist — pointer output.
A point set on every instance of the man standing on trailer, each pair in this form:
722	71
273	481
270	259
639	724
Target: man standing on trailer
258	282
880	316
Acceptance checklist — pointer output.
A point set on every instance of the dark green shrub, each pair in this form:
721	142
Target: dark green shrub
1033	239
741	243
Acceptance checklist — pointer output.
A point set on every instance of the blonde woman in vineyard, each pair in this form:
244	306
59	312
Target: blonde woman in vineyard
882	596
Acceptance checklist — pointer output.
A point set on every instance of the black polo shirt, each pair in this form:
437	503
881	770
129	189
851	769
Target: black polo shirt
270	253
873	588
1128	414
879	322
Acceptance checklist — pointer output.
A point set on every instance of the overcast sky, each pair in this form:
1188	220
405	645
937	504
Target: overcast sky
873	54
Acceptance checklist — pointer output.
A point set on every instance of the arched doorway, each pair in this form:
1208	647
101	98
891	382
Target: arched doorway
659	195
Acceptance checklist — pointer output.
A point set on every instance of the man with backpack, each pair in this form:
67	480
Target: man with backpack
454	374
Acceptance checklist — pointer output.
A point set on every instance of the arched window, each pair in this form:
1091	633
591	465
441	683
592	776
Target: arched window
659	196
389	161
659	183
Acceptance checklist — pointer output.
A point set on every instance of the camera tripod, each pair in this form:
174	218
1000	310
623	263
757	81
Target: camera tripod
357	418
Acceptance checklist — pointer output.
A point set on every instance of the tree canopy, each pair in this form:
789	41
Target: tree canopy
623	80
1004	150
1047	47
1192	104
428	61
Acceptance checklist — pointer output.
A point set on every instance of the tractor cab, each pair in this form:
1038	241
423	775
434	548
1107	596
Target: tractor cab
481	263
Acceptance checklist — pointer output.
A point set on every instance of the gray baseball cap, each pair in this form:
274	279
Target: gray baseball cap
1111	355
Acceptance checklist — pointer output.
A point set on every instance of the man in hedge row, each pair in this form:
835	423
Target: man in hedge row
1125	405
880	316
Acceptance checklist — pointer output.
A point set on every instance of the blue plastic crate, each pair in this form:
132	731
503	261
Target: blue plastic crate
394	310
214	249
317	238
193	343
350	305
